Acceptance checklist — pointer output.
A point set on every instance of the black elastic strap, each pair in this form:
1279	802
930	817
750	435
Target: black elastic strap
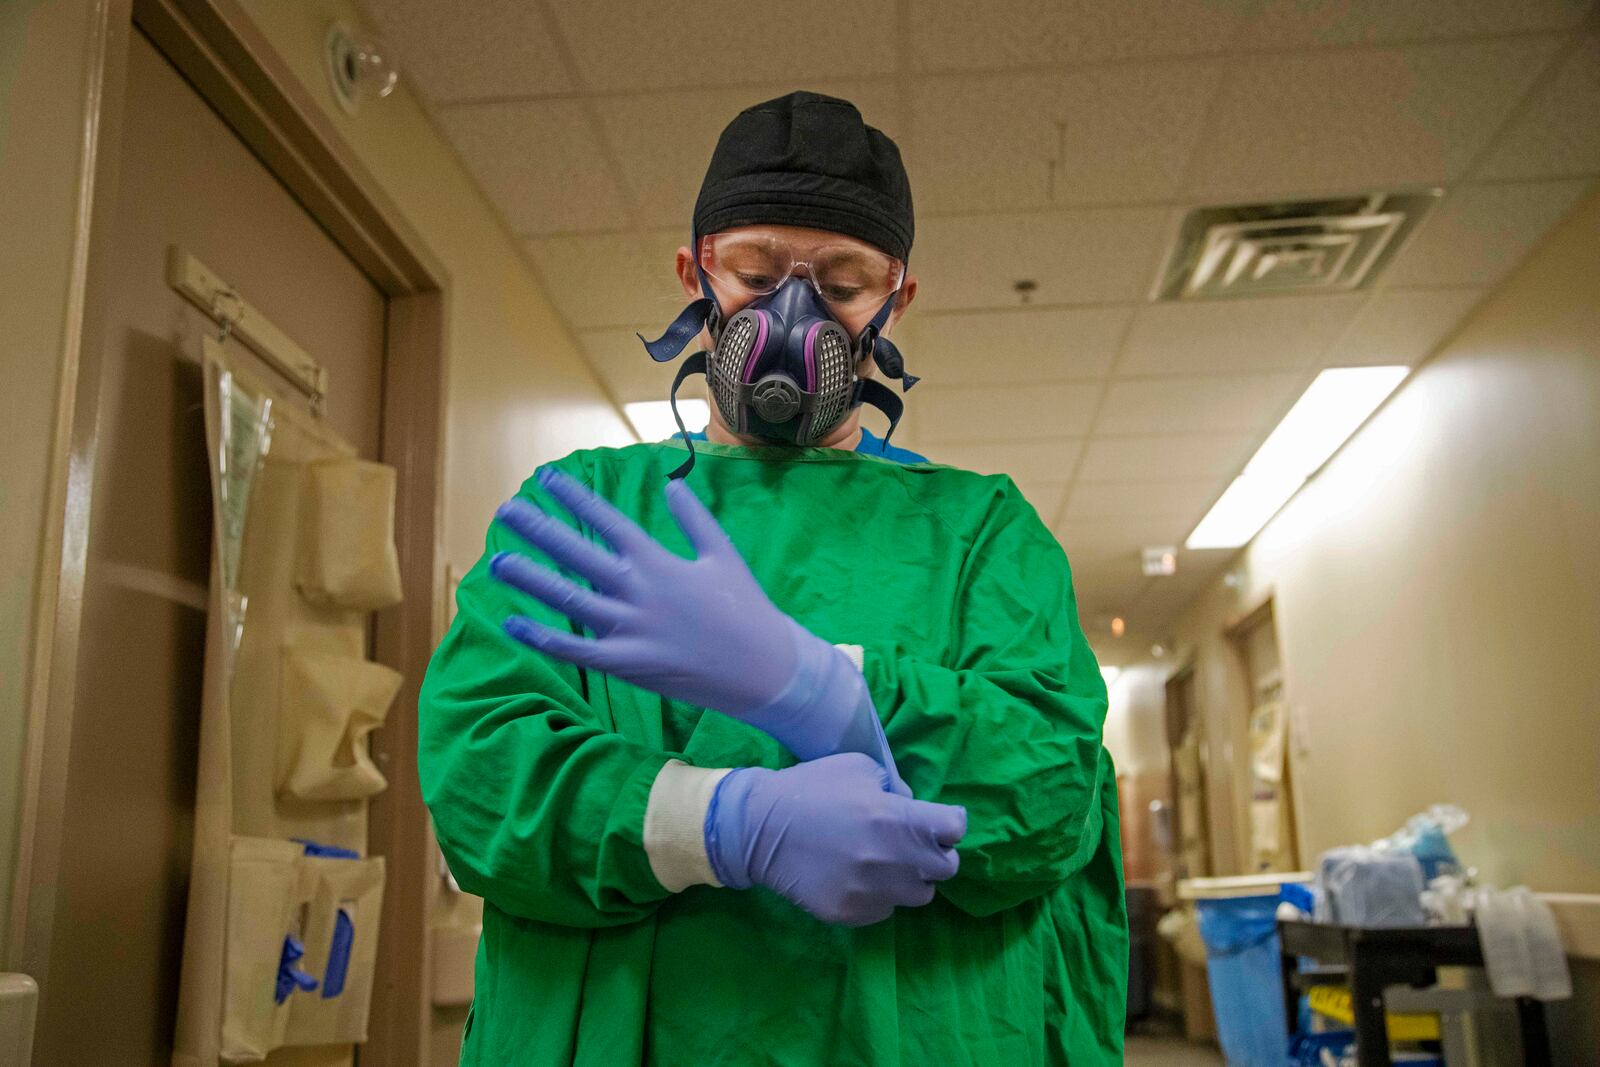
884	353
880	396
690	321
695	364
892	363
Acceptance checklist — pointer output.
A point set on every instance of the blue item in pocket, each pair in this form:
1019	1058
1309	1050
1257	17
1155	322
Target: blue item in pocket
290	976
344	934
316	848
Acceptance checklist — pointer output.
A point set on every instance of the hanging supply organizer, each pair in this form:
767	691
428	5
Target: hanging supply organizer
284	902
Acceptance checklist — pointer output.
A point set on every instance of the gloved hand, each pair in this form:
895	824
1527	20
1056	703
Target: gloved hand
701	631
826	835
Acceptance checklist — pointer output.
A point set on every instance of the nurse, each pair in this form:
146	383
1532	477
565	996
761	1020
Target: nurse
777	744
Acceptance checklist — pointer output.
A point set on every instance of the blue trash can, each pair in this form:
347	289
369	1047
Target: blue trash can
1238	922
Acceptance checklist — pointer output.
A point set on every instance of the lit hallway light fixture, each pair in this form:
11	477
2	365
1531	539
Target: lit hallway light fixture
1322	419
652	419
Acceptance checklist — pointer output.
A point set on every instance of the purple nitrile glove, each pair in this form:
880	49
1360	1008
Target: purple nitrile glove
828	836
697	630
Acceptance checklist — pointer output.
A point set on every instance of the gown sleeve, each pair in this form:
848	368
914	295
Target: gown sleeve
537	803
1010	724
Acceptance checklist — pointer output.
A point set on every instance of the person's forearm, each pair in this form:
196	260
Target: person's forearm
1019	747
827	709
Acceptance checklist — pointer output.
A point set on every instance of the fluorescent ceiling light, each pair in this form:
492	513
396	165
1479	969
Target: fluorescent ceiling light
1322	419
652	419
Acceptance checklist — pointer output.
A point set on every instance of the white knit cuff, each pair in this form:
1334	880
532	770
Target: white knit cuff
675	825
855	654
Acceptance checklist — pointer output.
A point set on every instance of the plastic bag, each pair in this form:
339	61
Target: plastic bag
1425	836
1362	886
1180	928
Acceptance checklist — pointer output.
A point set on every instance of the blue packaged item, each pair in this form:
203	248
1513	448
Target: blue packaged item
1433	851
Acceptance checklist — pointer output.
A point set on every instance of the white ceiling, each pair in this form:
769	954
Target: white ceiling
1060	141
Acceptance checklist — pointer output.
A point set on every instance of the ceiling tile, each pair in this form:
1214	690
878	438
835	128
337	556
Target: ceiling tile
1012	33
1035	461
1480	232
1164	601
1403	326
720	42
495	48
1332	122
1090	256
532	159
1103	134
663	140
1003	413
1094	542
1117	500
1242	402
613	279
1107	588
1019	344
1292	23
1558	132
1209	337
1165	457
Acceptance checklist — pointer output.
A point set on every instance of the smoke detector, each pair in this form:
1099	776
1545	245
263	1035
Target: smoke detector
1304	246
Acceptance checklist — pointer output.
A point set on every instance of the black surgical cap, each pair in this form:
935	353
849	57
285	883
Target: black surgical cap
808	160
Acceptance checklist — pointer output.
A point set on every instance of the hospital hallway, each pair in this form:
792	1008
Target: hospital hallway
861	533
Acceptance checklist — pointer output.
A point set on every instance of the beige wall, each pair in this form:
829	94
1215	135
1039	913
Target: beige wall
1437	590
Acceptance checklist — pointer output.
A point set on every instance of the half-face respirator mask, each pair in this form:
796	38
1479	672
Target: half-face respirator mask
783	367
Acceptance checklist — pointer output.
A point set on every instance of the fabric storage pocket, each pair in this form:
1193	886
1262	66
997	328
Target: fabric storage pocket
344	903
264	886
331	703
346	556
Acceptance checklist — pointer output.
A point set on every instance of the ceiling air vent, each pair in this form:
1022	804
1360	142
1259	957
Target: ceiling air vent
1306	246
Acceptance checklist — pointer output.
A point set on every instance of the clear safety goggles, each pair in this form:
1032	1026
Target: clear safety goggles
850	278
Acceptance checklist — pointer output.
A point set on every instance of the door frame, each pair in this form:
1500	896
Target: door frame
216	46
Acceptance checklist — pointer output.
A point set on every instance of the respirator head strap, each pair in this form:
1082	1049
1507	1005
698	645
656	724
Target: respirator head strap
698	315
690	321
695	364
882	350
880	396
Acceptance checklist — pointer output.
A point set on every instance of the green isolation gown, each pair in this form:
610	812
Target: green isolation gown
538	774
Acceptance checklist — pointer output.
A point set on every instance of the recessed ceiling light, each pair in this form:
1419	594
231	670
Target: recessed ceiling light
1322	419
652	419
